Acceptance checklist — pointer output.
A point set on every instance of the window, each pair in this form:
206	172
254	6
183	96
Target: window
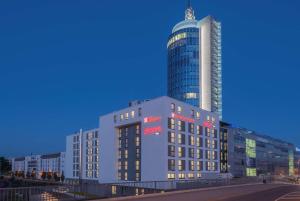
181	165
181	176
191	128
197	115
199	165
171	137
126	115
138	154
137	165
191	165
140	112
181	139
192	113
115	118
199	142
191	175
137	141
126	176
121	117
179	109
199	130
191	152
132	114
172	107
126	165
126	153
171	176
199	153
181	125
181	151
171	150
171	164
191	140
171	123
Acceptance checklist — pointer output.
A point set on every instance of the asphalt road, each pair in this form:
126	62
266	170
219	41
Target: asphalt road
283	193
270	192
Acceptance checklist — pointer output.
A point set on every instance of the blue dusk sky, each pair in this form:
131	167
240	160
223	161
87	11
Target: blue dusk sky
65	63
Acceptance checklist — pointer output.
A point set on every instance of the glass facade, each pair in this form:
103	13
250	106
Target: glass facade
194	63
183	66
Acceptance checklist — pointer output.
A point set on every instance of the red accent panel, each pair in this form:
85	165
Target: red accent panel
152	130
207	124
151	119
183	118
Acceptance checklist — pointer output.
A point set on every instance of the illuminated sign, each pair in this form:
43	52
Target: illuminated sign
152	130
207	124
151	119
183	118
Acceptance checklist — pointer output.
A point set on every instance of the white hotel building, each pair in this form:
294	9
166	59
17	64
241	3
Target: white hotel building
156	140
82	155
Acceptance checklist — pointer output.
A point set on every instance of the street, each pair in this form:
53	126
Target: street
258	192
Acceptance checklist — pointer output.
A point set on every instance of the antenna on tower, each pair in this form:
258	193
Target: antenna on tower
189	12
188	4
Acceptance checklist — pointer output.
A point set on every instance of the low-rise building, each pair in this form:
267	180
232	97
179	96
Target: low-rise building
34	166
253	154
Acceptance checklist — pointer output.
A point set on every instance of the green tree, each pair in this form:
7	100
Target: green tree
5	166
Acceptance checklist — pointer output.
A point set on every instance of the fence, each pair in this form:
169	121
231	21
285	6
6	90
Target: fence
41	193
85	190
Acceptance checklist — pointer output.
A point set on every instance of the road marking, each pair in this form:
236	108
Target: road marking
290	196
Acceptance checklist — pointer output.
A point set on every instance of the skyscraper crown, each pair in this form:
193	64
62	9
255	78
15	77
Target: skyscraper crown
189	12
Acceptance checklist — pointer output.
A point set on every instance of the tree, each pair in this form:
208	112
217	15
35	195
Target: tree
5	166
49	176
28	175
55	177
43	176
62	178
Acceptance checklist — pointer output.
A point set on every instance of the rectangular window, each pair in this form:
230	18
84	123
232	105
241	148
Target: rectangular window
137	141
171	164
199	142
132	114
171	137
171	175
191	165
191	140
171	150
192	113
181	151
137	165
181	165
197	115
179	109
181	138
199	166
199	130
172	107
191	128
199	153
181	125
171	123
191	152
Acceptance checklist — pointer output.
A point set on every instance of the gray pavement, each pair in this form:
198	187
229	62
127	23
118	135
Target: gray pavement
253	192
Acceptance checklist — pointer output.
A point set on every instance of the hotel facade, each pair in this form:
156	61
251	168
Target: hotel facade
161	139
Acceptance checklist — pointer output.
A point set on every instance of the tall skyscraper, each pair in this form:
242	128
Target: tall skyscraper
194	62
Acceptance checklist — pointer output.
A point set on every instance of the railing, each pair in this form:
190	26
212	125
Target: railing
40	193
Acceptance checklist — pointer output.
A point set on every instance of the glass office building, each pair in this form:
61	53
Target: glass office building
194	62
253	154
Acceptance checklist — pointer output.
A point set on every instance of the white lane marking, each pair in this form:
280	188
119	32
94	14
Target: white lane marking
289	196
